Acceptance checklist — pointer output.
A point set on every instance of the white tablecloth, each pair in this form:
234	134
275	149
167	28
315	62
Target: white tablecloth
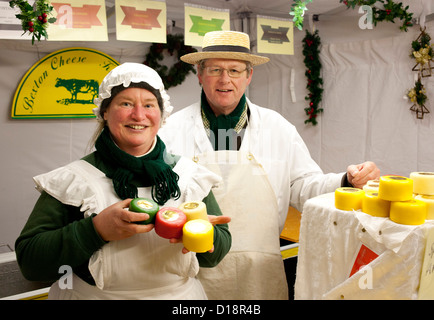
330	240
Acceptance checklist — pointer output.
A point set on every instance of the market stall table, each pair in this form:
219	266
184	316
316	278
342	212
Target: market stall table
335	244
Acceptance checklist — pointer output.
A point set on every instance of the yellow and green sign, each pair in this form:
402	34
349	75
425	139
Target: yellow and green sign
200	20
63	84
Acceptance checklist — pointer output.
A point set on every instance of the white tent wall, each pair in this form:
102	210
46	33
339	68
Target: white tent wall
366	73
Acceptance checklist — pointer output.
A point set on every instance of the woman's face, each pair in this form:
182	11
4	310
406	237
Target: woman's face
133	118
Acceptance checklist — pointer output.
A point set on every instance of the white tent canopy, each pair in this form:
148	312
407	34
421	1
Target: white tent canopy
366	73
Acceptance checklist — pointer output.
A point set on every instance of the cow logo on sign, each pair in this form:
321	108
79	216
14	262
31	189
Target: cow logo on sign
76	86
63	84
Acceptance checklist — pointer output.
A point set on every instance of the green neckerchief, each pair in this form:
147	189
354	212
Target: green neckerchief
236	121
150	170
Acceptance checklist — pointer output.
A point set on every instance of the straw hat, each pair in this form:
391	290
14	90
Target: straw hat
225	45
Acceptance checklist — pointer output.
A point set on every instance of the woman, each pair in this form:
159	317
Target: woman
80	219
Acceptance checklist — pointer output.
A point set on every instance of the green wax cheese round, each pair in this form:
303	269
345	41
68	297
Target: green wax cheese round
145	205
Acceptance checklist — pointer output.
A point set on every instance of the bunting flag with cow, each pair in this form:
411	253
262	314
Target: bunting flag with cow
62	84
275	35
138	20
78	20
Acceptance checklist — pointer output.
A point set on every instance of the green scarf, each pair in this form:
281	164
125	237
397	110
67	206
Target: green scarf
150	170
226	122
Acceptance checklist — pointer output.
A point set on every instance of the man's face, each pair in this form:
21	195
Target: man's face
224	92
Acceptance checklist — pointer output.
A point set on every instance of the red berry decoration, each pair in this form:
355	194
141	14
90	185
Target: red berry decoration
34	17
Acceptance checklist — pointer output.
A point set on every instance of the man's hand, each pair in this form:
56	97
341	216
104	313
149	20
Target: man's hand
358	175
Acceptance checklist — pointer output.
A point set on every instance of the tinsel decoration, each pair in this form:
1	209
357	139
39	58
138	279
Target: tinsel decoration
177	73
389	11
34	19
311	50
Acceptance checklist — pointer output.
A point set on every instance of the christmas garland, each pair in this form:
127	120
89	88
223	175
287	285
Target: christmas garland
391	11
311	44
177	73
34	20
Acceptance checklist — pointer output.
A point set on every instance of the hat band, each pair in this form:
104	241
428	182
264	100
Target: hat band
226	48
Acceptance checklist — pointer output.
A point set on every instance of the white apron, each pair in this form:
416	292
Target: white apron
253	269
144	266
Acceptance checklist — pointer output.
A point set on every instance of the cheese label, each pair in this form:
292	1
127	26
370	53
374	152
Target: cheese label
397	178
191	205
350	190
170	215
144	204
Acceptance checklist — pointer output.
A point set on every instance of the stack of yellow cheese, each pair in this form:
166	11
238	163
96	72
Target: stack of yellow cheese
404	209
423	190
404	200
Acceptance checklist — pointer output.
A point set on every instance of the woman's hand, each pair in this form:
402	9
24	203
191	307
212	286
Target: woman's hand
115	223
214	220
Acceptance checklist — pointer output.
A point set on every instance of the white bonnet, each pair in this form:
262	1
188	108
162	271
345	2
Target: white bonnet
127	73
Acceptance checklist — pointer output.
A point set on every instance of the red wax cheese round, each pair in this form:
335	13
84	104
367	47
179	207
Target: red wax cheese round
144	205
169	222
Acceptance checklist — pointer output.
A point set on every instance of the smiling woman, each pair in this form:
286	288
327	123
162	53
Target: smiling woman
134	119
82	212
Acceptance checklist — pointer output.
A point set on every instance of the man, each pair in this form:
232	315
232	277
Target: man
264	163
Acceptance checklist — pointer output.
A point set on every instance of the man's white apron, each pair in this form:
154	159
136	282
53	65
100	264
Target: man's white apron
144	266
253	269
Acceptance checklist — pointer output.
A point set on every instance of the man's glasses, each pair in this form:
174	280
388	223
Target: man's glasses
217	72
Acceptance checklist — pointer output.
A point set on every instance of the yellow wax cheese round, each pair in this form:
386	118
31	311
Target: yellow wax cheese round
395	188
375	206
198	235
423	182
411	212
429	200
348	198
194	210
372	185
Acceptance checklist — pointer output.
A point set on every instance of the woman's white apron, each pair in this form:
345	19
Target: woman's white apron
253	269
144	266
